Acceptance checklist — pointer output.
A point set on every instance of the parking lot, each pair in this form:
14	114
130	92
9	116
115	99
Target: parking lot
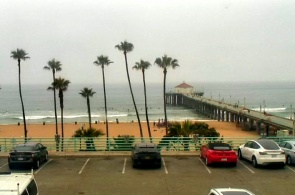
178	175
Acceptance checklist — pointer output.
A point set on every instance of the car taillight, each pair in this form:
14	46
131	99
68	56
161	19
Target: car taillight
262	153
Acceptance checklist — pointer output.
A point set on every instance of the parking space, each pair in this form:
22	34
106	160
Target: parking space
178	175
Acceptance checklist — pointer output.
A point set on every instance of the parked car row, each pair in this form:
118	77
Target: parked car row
258	152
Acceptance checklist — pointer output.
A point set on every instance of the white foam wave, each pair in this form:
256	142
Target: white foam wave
270	109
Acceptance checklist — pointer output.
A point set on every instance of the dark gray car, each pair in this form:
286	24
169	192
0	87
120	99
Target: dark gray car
289	148
146	154
30	153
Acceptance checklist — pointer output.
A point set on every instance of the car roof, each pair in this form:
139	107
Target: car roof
27	144
217	144
148	145
261	141
290	141
231	191
9	181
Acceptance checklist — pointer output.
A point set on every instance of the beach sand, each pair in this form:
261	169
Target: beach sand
226	129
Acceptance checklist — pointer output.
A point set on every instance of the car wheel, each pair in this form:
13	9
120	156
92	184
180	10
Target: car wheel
159	166
234	164
289	160
240	154
206	161
37	164
254	161
10	166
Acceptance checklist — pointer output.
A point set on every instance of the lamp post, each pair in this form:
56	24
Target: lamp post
293	129
291	117
264	106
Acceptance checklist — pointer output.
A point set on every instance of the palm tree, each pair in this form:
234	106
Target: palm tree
86	93
88	134
61	85
128	47
54	66
104	61
143	65
19	55
165	62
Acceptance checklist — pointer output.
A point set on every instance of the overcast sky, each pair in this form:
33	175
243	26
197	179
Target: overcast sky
213	40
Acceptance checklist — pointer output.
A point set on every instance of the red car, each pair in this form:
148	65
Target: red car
218	153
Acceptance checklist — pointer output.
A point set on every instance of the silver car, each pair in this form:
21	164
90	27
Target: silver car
289	148
229	191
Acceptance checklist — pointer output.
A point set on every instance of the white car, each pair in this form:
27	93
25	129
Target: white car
18	183
229	191
262	152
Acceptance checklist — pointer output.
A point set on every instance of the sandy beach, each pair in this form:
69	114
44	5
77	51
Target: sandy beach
226	129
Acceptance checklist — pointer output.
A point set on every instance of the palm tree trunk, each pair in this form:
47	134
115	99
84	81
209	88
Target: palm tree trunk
21	99
164	96
55	114
55	110
62	129
89	112
105	107
62	117
130	87
146	107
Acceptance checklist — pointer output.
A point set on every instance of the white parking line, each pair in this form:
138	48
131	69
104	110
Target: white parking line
123	171
246	167
166	171
84	166
42	166
290	169
3	165
205	165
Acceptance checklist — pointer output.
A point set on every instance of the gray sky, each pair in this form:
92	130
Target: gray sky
213	40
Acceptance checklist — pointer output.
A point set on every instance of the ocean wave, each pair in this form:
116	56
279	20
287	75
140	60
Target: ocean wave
117	115
270	109
70	116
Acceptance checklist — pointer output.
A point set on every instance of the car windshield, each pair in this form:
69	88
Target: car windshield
268	144
146	149
219	146
24	148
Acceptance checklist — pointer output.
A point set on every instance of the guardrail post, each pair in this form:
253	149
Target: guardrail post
75	144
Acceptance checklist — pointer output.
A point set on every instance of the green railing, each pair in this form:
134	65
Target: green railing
126	143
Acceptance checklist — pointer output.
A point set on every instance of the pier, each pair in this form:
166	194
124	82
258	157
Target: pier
262	122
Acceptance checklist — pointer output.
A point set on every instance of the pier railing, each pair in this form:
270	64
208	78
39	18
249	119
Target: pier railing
126	143
283	123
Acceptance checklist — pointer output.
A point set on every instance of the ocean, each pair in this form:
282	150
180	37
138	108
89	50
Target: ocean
275	98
